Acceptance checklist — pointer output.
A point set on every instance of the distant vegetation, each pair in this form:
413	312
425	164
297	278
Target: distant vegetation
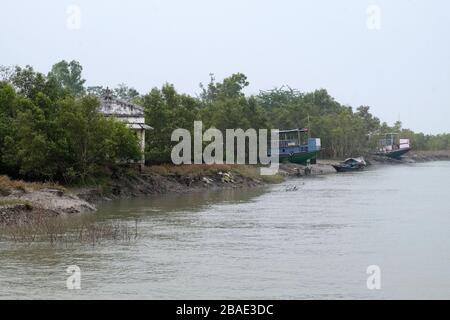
50	129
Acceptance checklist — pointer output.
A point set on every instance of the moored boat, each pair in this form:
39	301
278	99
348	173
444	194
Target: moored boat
392	147
297	147
351	164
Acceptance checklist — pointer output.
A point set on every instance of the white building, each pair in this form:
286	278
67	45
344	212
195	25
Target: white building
131	114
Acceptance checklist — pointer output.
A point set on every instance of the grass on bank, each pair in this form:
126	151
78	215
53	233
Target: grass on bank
69	231
7	185
201	170
13	202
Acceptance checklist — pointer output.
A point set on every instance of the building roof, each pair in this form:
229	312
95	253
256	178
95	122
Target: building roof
139	126
131	114
111	106
294	130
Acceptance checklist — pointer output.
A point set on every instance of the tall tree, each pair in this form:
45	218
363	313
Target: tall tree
122	91
167	110
68	74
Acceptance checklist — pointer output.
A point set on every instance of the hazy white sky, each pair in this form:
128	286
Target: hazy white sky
402	69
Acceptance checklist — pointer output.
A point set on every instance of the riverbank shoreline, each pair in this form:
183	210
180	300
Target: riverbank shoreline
22	202
163	179
427	156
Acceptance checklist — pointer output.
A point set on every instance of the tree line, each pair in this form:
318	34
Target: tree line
50	128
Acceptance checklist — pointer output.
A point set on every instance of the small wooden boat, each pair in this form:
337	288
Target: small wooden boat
297	147
350	164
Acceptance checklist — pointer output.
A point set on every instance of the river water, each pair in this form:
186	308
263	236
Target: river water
315	242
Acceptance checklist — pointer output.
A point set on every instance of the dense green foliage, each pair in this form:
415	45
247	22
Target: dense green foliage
167	110
50	128
48	134
344	132
221	105
68	75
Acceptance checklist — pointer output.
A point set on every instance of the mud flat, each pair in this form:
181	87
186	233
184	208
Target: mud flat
25	206
298	170
425	156
176	179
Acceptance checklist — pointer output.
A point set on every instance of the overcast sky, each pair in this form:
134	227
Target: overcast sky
394	56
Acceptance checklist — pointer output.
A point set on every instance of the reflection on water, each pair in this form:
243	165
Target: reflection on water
313	242
189	202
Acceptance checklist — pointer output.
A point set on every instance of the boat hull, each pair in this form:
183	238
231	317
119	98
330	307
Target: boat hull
299	158
347	169
395	154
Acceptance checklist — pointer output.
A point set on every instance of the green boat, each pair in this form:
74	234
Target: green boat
297	147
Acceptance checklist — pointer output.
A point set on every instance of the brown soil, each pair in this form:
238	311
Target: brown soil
129	186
